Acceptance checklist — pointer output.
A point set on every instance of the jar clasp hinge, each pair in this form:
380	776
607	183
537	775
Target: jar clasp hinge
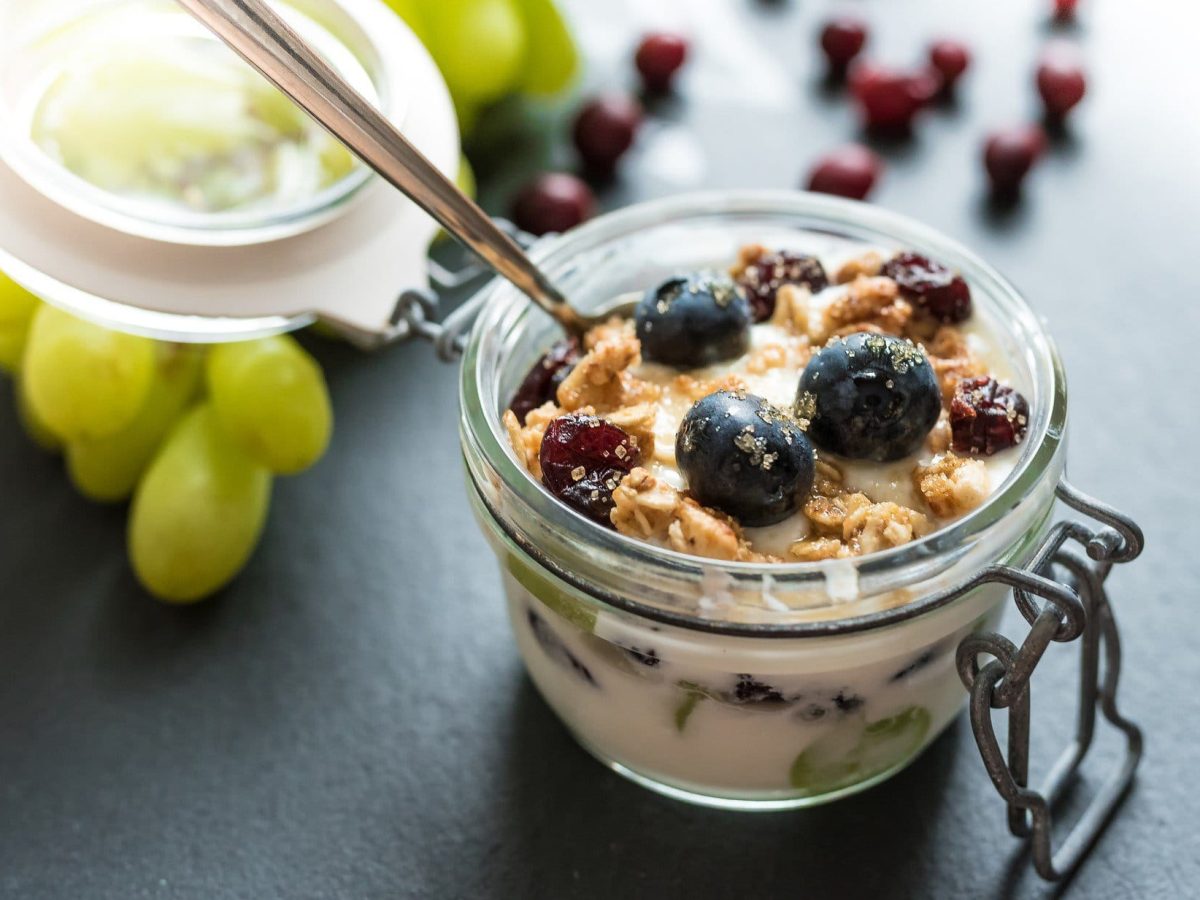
416	308
1074	607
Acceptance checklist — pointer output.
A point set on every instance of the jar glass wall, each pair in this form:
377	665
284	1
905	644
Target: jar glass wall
752	685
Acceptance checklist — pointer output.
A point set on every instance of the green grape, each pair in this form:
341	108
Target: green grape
17	307
39	432
12	348
85	381
478	44
552	60
198	512
107	469
271	397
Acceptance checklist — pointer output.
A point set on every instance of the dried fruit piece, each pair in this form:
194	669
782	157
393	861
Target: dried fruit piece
1060	80
541	382
1008	156
987	417
659	56
950	58
761	278
849	171
930	285
604	130
842	39
887	98
583	459
553	201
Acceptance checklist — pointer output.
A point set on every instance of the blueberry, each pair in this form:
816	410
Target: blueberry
750	690
745	457
554	647
645	657
694	320
869	396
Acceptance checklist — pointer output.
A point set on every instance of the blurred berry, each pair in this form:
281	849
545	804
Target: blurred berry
926	84
553	201
950	58
842	39
605	128
1060	80
886	97
1009	154
659	56
1064	10
849	171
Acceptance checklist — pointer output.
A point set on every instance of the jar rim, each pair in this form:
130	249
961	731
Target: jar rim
352	24
505	309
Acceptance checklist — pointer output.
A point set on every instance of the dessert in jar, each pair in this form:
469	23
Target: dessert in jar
724	526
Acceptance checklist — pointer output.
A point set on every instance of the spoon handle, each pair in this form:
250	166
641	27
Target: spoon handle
257	34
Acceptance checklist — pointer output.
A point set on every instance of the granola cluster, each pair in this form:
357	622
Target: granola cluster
609	381
650	509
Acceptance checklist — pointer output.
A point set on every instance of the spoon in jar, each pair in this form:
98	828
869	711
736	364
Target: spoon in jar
257	33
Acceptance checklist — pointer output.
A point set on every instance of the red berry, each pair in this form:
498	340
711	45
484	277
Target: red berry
850	171
1008	156
842	39
541	382
950	58
886	97
930	285
762	278
583	459
1060	80
605	128
925	85
553	201
986	417
659	56
1064	10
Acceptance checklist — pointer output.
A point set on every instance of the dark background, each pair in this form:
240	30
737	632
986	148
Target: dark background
350	718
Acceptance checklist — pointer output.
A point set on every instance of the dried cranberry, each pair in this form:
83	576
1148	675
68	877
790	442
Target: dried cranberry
554	201
763	277
986	417
583	460
950	58
1060	80
1064	10
842	39
1008	156
930	285
888	98
926	85
850	171
542	381
605	128
659	56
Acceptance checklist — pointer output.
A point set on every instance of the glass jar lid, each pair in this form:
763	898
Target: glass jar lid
230	213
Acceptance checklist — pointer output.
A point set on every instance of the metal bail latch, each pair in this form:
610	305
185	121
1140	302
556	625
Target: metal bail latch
416	307
1077	606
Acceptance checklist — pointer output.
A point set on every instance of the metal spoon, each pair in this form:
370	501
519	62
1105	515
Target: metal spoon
257	34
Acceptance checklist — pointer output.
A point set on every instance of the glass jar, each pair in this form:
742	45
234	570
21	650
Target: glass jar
743	685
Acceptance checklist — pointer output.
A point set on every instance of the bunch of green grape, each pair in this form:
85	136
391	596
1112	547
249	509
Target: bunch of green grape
191	434
488	49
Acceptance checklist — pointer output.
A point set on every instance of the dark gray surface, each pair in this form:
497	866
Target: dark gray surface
350	719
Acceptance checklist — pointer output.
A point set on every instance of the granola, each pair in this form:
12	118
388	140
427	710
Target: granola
952	485
853	507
